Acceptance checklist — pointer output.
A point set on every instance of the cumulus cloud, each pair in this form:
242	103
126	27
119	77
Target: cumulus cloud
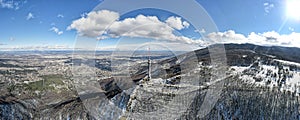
177	23
268	7
29	16
139	26
94	23
271	38
226	37
146	27
106	23
56	30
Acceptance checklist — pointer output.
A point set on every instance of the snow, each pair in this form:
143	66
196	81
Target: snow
239	69
292	84
287	62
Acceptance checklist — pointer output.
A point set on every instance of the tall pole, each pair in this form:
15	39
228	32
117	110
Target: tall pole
149	63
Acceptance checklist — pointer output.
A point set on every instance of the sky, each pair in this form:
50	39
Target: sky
57	24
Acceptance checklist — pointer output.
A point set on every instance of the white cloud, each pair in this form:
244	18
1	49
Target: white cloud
102	37
11	4
146	27
60	16
226	37
56	30
268	7
84	14
94	23
29	16
202	31
103	23
266	38
177	23
141	26
266	4
291	29
6	4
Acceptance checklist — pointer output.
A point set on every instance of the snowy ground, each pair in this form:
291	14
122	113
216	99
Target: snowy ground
267	77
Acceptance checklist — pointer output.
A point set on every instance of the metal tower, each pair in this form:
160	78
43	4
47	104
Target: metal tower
149	64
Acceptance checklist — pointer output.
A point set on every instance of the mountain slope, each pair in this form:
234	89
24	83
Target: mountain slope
262	83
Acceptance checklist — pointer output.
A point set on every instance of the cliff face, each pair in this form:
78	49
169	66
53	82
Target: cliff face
36	108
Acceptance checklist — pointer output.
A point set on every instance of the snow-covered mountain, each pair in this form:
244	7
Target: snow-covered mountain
257	82
260	83
273	73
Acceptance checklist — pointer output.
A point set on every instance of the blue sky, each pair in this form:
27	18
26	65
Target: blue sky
44	23
17	30
250	16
